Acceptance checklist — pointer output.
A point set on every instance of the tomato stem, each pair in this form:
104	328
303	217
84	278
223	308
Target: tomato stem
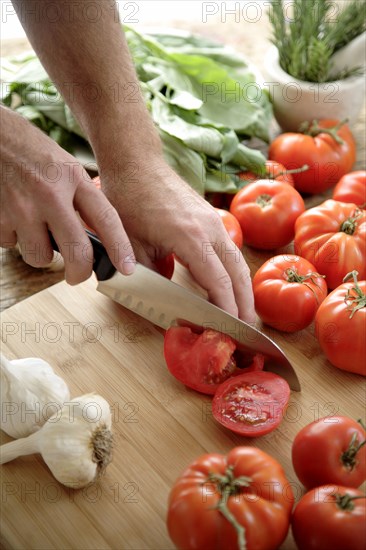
293	171
224	510
349	225
292	276
229	485
356	300
345	502
348	457
269	172
263	200
313	129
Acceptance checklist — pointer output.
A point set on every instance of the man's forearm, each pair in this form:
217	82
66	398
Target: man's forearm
87	57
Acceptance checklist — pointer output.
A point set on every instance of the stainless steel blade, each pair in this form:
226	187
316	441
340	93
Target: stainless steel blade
166	303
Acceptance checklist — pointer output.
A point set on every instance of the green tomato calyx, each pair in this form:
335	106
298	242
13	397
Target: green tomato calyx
229	485
292	276
263	200
313	129
355	299
345	502
350	224
349	457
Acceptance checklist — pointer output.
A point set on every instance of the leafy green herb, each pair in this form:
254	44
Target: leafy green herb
202	96
307	39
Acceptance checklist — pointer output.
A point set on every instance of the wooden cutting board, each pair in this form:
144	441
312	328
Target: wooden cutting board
159	425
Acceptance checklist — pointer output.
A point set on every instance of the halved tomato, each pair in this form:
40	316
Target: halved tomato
203	361
251	404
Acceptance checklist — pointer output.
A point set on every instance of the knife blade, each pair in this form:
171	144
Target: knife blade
165	303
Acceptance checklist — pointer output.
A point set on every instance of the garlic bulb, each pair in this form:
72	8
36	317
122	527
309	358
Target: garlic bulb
75	443
30	394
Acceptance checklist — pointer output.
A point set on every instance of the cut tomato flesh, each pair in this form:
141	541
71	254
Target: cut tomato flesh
203	361
252	403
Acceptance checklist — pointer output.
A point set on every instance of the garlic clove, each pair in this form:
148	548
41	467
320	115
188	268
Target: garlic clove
30	393
75	443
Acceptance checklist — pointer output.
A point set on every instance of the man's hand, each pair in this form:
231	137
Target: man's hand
42	188
160	212
163	214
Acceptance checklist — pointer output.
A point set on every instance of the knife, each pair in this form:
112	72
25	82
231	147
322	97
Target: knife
166	304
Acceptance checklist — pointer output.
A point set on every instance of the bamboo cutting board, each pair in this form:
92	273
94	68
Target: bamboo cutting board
159	425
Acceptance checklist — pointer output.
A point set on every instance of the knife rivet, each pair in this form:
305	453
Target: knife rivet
139	307
161	318
127	301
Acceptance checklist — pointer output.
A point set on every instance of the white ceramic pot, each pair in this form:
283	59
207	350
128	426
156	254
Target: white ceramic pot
295	101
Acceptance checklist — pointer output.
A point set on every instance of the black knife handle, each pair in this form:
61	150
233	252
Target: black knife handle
102	265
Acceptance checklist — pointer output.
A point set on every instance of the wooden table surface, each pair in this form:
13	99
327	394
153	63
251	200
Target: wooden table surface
159	425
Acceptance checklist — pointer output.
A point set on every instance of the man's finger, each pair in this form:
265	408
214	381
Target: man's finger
98	213
8	238
239	273
74	245
210	273
34	244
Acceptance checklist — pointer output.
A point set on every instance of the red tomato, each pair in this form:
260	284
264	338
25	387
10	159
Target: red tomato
327	518
267	211
202	361
330	450
232	226
251	404
332	236
219	200
287	292
247	486
165	266
327	159
352	188
272	171
340	326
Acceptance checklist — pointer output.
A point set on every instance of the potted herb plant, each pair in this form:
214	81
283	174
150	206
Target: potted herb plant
315	68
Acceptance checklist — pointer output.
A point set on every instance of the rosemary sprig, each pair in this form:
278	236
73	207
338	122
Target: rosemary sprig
351	22
307	36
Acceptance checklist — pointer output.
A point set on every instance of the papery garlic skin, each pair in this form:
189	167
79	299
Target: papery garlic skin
30	394
68	439
75	443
